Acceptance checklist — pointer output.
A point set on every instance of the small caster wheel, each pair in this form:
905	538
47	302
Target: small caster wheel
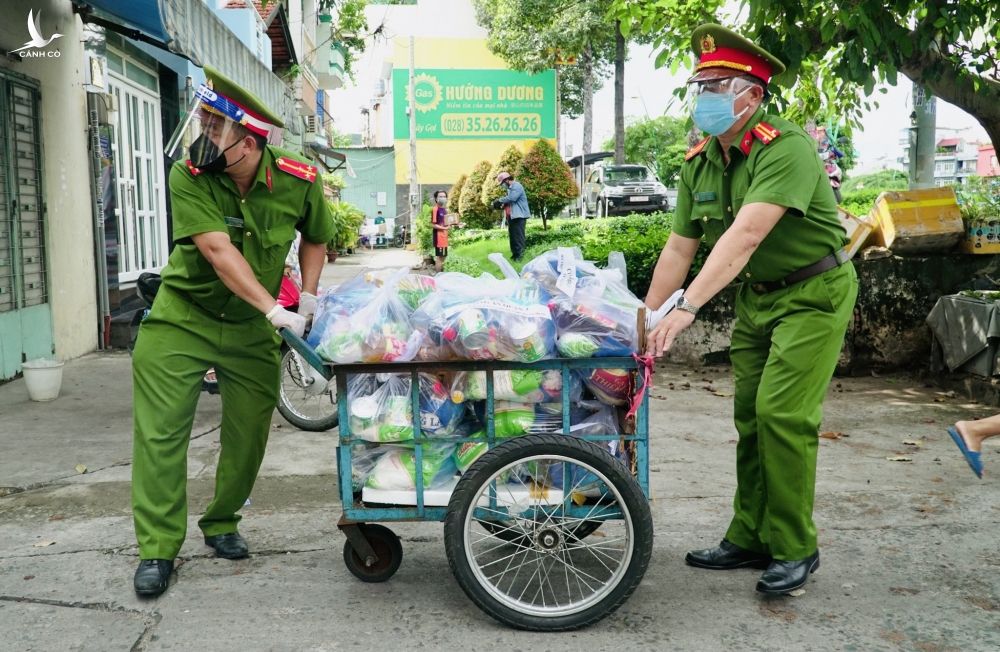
387	547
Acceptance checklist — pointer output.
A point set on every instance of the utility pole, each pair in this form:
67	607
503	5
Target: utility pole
923	138
414	188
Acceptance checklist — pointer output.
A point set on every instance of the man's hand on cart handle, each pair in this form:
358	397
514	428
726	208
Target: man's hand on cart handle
653	317
281	318
307	305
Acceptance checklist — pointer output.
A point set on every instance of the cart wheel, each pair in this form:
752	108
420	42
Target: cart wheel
387	547
543	576
503	530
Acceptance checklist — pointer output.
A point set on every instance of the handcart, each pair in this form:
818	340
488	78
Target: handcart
544	532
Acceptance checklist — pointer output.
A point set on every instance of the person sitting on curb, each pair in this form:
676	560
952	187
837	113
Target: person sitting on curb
969	436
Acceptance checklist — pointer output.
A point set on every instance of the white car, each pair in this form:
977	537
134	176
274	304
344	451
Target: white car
623	189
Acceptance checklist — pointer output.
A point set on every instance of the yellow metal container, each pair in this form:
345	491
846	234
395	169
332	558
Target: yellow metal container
918	221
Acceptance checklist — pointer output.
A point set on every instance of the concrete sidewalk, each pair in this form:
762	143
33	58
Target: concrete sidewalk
909	547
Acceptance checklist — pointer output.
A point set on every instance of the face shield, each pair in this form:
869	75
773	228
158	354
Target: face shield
211	125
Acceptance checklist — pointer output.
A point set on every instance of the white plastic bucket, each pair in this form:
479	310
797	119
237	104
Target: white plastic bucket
43	379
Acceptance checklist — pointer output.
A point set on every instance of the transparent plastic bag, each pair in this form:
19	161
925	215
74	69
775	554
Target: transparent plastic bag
363	459
383	415
397	468
378	330
519	386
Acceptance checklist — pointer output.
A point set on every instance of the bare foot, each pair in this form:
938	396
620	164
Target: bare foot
973	442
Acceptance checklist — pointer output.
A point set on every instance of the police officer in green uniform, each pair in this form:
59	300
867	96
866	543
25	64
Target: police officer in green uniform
756	191
236	205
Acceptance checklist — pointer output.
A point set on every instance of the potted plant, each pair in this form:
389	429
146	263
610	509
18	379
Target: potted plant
347	221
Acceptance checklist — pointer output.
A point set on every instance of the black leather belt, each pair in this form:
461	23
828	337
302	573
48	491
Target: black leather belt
799	275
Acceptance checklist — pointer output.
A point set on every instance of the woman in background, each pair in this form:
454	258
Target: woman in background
439	222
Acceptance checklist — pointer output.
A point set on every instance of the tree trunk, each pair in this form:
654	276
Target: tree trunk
587	62
619	94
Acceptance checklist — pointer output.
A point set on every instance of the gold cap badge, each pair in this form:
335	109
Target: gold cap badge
707	44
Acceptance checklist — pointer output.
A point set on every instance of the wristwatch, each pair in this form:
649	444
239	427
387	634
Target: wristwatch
686	306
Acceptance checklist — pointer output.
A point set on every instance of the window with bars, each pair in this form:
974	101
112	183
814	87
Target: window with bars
23	280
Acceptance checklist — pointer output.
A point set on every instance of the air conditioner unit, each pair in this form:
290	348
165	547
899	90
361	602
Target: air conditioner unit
312	124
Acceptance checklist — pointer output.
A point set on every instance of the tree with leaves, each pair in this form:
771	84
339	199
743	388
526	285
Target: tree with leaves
659	143
475	213
532	35
455	194
508	162
547	181
832	50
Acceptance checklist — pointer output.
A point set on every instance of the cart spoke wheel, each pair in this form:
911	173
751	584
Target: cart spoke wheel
516	527
315	413
387	547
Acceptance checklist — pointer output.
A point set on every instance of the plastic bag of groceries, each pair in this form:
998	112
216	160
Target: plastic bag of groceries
496	319
363	460
512	419
370	324
593	309
413	289
610	386
384	414
397	468
439	415
519	386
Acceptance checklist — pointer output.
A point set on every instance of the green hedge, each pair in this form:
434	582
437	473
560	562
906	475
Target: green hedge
640	238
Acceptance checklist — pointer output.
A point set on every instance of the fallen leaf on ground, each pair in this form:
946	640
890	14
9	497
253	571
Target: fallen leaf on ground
914	442
80	468
723	394
831	434
797	592
44	544
900	458
56	517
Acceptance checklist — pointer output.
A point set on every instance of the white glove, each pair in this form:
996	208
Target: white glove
307	305
653	317
281	318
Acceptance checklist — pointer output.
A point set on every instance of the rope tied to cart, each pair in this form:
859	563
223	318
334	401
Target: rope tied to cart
645	363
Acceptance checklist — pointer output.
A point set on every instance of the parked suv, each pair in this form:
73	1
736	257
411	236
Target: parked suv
621	189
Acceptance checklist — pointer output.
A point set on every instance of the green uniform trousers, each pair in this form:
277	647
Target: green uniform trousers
785	347
177	343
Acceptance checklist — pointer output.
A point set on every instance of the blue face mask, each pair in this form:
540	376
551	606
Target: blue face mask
713	112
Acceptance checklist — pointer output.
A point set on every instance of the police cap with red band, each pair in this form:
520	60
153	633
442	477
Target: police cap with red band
256	117
719	47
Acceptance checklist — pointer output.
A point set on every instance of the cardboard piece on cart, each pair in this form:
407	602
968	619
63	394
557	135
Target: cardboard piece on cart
859	230
918	221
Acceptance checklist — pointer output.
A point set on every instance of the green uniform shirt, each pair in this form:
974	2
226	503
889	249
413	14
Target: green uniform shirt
261	225
786	171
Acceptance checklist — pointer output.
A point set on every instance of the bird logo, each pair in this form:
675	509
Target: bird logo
37	40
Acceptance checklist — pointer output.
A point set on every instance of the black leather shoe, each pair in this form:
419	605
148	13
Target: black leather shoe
228	546
782	577
727	556
152	577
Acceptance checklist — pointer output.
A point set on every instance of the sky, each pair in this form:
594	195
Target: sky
648	91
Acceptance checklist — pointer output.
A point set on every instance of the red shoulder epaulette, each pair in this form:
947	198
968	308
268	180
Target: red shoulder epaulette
296	168
694	151
765	133
192	169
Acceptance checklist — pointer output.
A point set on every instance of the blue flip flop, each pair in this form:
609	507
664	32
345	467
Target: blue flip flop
972	457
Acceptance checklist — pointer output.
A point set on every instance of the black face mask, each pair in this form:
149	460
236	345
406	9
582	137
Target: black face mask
218	163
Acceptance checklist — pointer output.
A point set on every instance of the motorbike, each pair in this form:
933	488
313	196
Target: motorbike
302	402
